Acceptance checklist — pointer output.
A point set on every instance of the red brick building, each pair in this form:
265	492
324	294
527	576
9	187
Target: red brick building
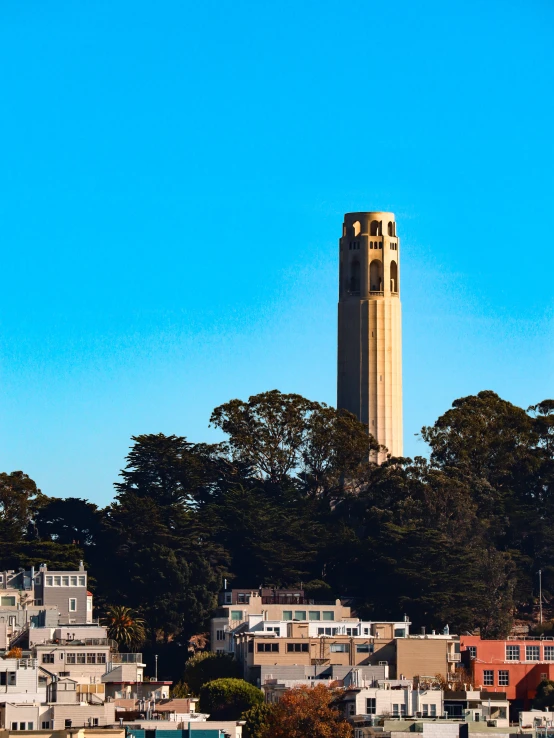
514	666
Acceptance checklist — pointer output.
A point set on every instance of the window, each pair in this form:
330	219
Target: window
68	723
287	614
340	648
402	709
49	581
91	658
488	678
544	677
472	650
298	647
532	653
81	658
393	276
399	632
69	658
273	629
371	706
549	653
47	658
352	631
72	604
7	601
395	709
315	615
65	581
82	581
364	648
328	615
57	581
73	581
45	725
220	635
236	614
300	614
355	276
433	710
512	653
425	710
95	722
14	726
7	677
38	602
503	678
21	726
268	648
100	658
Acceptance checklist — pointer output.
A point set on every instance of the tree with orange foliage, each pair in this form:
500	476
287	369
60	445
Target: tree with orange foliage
14	653
307	712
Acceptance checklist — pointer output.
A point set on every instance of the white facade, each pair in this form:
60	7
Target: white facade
19	681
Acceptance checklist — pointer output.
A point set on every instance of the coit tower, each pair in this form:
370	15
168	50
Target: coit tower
370	326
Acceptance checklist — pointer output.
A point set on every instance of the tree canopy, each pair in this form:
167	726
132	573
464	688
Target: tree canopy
291	497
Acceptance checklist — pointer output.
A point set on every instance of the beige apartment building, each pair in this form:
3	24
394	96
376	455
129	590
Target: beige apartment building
404	657
235	607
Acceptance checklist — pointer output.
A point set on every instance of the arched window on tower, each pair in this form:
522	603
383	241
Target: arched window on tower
357	228
376	276
355	276
374	228
393	276
391	228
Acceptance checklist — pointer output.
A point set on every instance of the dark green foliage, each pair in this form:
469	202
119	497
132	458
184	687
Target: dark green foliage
228	699
544	699
256	721
207	666
456	539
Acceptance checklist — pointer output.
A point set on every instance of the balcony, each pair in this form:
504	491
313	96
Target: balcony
454	658
81	642
377	292
126	658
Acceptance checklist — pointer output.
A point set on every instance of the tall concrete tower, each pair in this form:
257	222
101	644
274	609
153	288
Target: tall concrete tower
370	326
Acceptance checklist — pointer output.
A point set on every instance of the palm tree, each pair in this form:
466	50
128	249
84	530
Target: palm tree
125	627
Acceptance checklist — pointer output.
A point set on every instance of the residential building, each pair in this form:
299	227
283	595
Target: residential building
20	681
262	642
67	590
401	699
237	605
275	681
514	666
88	732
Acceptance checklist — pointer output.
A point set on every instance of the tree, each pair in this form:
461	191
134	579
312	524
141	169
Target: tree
206	667
19	501
256	721
228	699
281	435
68	521
307	712
125	627
544	699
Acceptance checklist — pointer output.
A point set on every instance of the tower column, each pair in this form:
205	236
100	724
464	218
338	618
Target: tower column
369	326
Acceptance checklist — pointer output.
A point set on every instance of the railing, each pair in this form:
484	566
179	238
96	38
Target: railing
292	600
454	657
376	292
80	642
126	658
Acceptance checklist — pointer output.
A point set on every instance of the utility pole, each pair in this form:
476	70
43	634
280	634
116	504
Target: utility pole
540	595
156	665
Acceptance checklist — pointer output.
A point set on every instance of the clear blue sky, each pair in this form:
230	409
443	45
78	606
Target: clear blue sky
173	180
